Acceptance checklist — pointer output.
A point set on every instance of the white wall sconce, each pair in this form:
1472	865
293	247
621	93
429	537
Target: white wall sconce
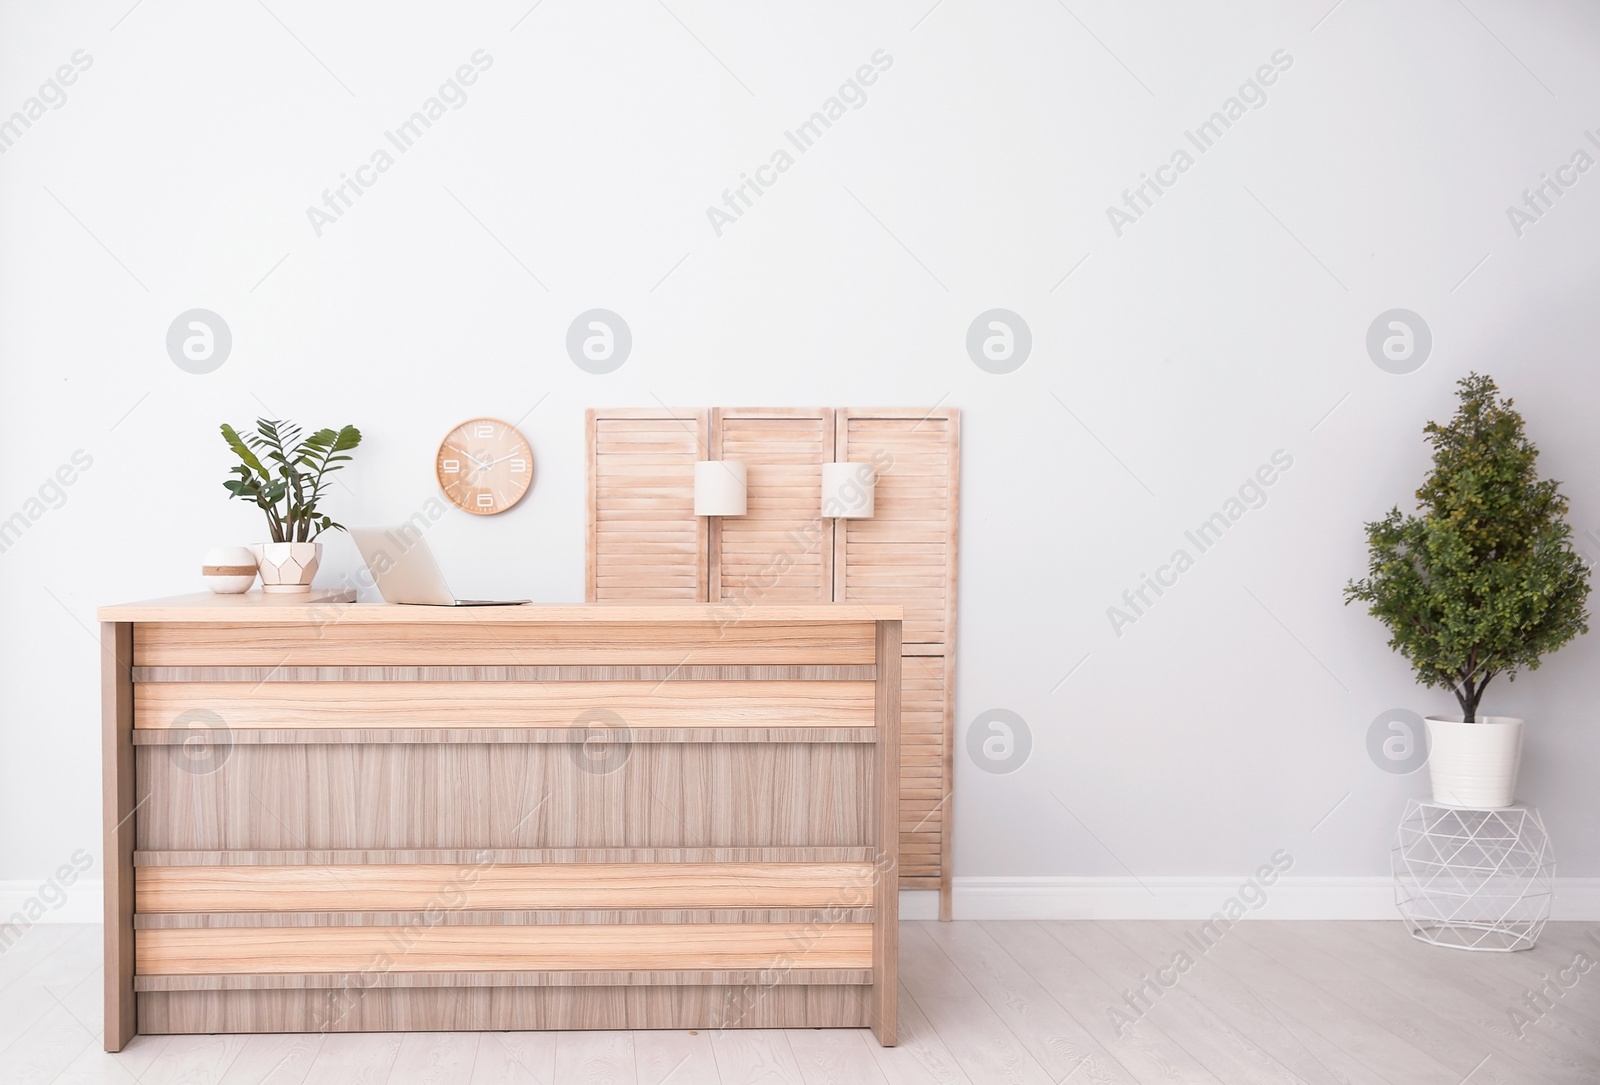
720	488
848	490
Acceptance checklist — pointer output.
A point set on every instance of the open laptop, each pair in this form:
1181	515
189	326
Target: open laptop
403	568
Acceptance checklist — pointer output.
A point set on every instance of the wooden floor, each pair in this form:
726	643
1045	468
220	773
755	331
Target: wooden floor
982	1002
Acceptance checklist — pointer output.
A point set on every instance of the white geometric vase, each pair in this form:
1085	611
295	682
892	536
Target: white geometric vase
287	567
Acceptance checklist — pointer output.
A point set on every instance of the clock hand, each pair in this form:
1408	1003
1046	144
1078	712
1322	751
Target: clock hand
502	459
469	457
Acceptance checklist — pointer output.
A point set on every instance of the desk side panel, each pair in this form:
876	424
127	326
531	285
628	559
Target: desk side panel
118	782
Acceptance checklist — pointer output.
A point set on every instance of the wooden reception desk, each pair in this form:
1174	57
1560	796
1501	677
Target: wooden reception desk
328	816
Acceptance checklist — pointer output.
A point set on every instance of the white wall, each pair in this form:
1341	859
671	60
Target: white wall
1220	327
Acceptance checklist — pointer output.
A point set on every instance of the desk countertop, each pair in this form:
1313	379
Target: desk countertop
324	605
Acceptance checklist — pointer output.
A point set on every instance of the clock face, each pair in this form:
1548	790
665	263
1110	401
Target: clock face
485	466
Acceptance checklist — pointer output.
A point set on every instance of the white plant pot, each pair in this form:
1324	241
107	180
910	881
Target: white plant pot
229	570
1474	765
287	567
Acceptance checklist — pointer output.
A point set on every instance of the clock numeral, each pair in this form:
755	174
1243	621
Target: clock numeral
518	466
486	501
452	466
483	429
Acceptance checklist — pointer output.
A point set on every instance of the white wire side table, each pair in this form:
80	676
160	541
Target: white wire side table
1473	879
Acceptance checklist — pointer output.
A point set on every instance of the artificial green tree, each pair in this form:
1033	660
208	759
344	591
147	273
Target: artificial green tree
1484	580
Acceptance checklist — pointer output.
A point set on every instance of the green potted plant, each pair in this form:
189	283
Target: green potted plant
1481	582
285	477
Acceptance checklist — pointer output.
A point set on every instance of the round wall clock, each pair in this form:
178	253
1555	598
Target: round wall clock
484	466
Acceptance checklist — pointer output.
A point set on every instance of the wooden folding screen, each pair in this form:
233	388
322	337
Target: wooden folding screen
906	554
645	543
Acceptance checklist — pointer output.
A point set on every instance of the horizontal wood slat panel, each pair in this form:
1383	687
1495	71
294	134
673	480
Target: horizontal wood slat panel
506	949
507	704
645	542
923	756
201	735
357	888
323	981
505	1008
474	856
174	644
150	921
511	795
906	555
777	672
253	608
781	550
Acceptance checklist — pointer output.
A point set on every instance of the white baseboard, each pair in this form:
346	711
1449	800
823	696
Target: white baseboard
1292	897
80	902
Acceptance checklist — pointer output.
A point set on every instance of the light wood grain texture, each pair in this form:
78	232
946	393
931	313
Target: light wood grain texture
310	829
118	805
904	556
495	1008
1147	1051
755	1056
595	1058
1479	997
1302	1006
644	540
752	639
1436	1022
272	1060
316	605
474	856
195	1058
503	949
833	1057
921	1057
604	730
1059	1043
330	609
1301	1047
508	704
515	1058
777	672
732	672
453	795
359	1060
674	1058
435	1058
781	550
493	887
1208	1034
886	922
370	979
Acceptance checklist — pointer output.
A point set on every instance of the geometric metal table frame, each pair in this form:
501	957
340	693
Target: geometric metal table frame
1473	879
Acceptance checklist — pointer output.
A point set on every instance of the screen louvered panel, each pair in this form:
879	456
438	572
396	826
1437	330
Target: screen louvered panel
905	555
781	550
645	542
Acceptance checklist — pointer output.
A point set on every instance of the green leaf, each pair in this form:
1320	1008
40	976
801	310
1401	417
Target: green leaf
242	450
